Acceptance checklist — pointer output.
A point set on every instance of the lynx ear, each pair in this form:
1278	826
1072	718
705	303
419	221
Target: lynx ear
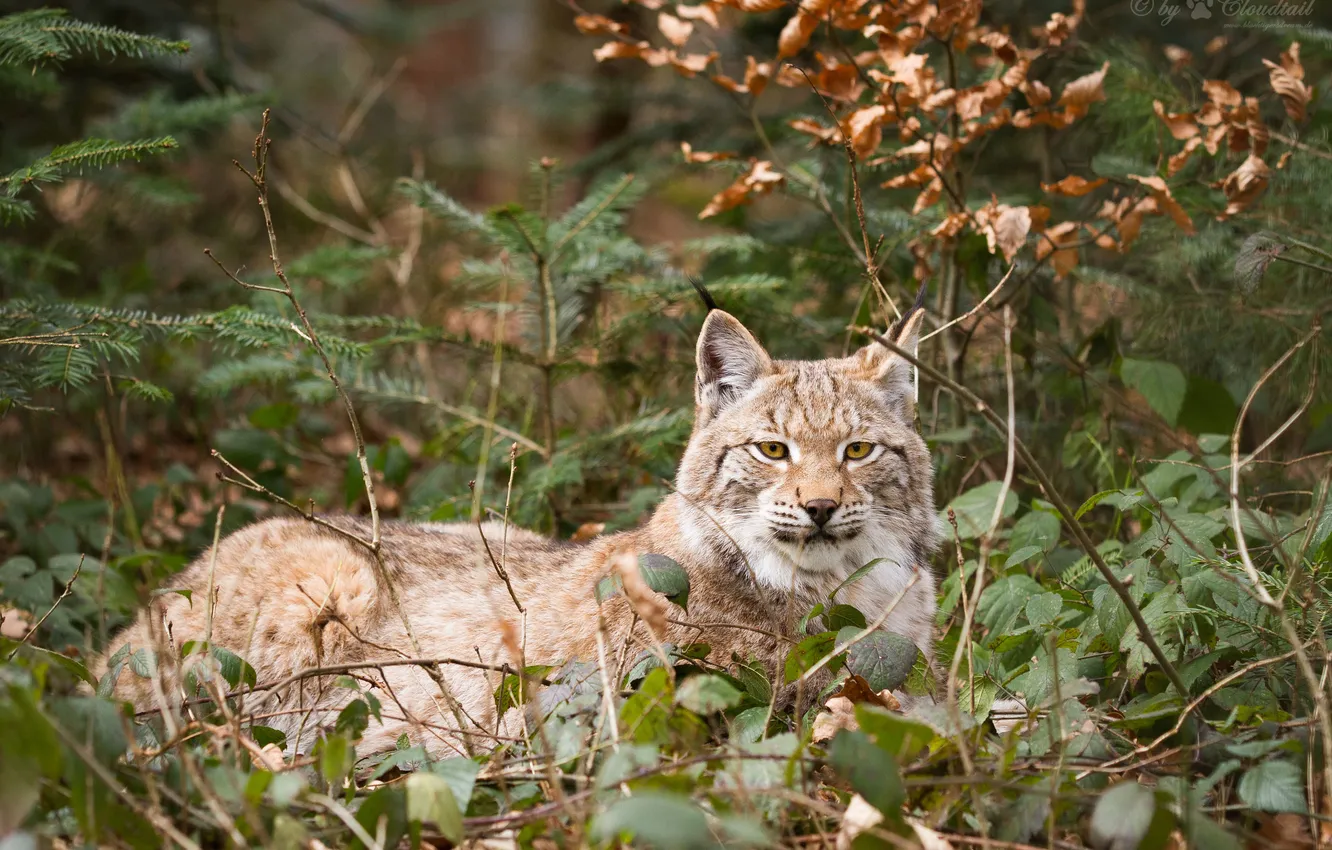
729	359
891	369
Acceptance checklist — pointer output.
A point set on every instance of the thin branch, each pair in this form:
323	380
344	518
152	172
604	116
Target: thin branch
1047	484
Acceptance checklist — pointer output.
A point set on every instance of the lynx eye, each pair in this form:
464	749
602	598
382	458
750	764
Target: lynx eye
774	450
859	450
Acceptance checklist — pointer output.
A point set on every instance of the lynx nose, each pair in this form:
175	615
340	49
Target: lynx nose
820	510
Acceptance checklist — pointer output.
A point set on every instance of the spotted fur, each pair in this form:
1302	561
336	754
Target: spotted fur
290	596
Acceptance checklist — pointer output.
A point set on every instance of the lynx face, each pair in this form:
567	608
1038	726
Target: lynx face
811	468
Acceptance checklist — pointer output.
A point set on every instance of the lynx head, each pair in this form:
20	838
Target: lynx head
811	468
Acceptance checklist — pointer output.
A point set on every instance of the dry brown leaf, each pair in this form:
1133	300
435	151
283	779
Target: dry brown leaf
1221	93
929	839
650	606
674	30
1283	159
1165	201
271	756
1059	244
859	817
587	531
1008	230
1179	57
730	84
1080	94
918	176
928	197
839	713
1294	94
974	102
1290	60
1060	26
814	128
1259	135
758	180
621	50
14	624
1037	92
1178	160
1243	185
795	35
1002	46
1180	124
756	5
757	75
1216	45
594	24
952	224
865	129
705	12
691	155
1074	186
690	63
1285	831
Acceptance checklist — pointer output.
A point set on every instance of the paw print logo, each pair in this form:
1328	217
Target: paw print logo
1201	8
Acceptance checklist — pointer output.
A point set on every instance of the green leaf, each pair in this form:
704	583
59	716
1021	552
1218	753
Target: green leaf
1274	786
841	616
856	576
389	806
871	773
707	694
807	653
1044	609
29	751
749	725
1127	817
144	663
1038	528
657	820
975	508
180	591
460	773
46	656
884	659
265	735
900	737
430	800
662	574
1021	556
336	758
1161	383
288	833
1004	601
234	669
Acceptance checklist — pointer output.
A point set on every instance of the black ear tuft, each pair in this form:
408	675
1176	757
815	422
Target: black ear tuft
709	303
895	332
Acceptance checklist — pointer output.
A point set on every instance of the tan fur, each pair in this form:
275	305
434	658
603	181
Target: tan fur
290	595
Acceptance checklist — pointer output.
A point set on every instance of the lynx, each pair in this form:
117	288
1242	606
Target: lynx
796	474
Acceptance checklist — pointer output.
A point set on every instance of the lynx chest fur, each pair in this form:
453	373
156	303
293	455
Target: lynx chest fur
797	474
